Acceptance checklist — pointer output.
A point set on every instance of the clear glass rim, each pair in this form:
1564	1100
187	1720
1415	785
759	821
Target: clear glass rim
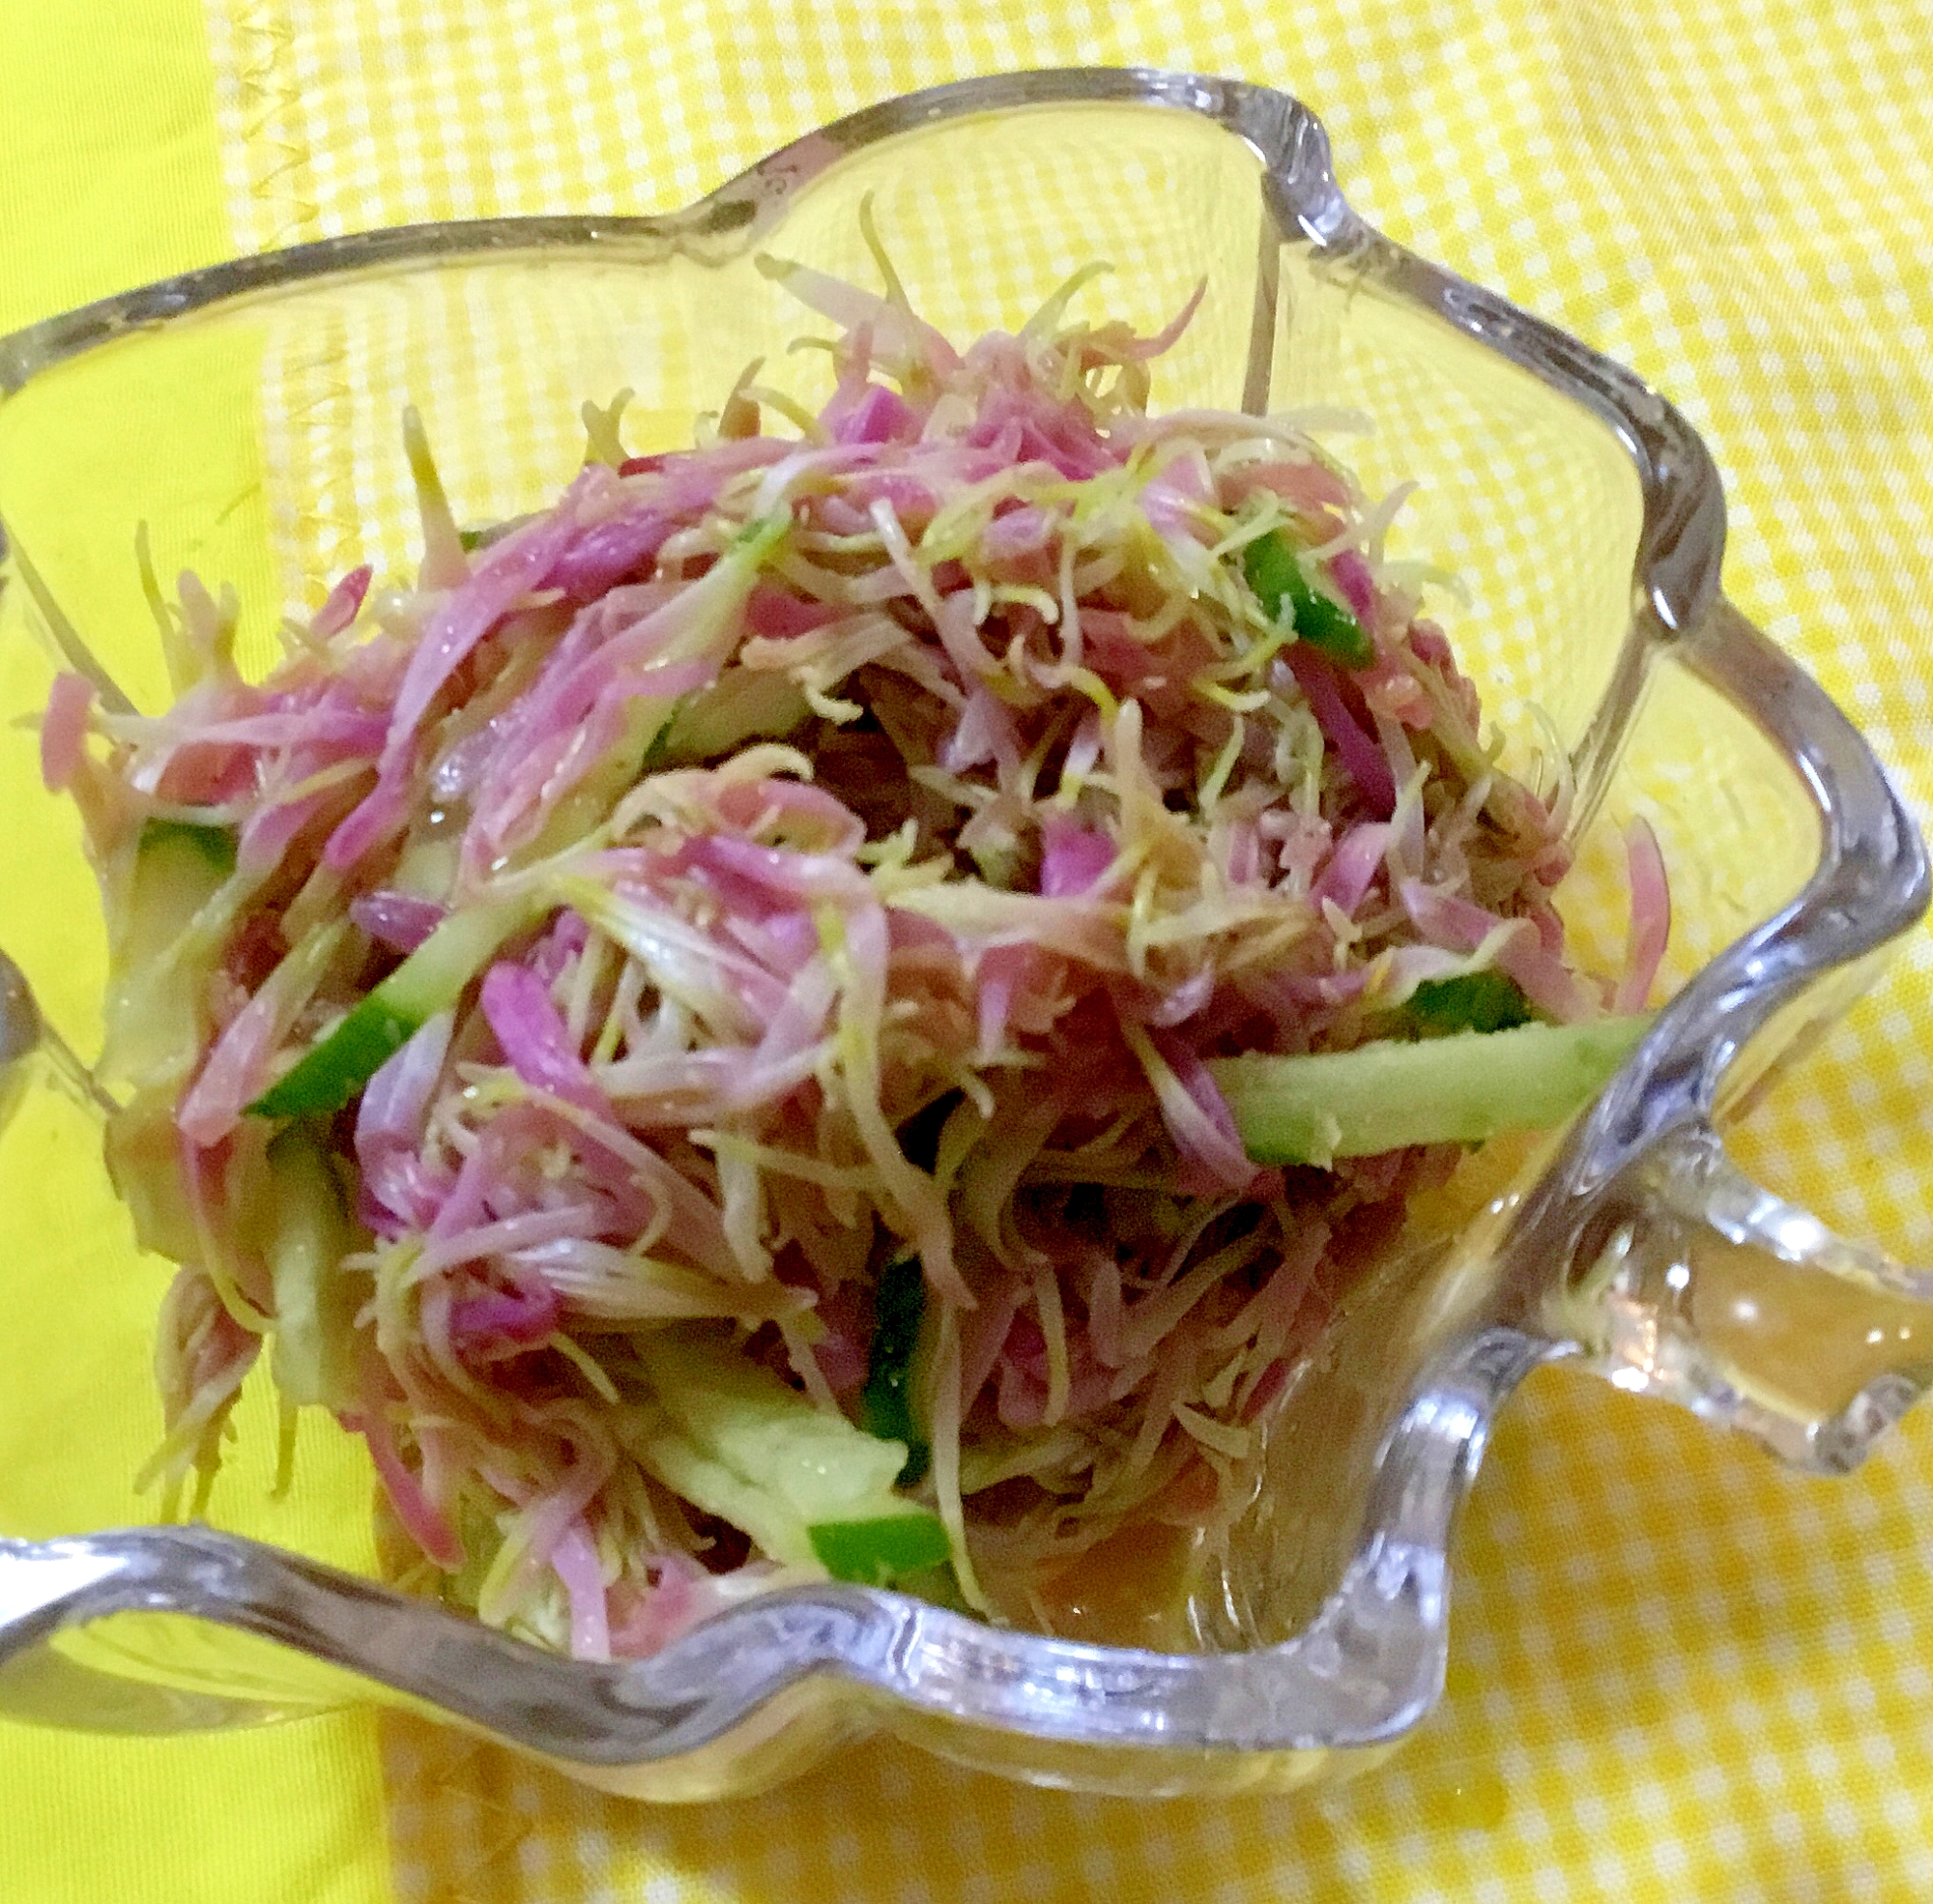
1372	1662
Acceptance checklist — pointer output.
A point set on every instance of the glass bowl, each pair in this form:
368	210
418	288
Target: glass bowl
248	417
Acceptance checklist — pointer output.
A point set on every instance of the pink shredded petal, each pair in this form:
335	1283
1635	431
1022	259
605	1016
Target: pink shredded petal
64	731
486	1238
1017	529
398	1194
1352	867
530	1033
985	733
1199	1120
560	948
419	1517
914	497
998	974
548	1516
235	1070
620	651
784	942
1290	994
380	813
1408	842
1173	499
342	604
771	880
398	920
1142	350
1428	643
350	730
1351	573
880	415
268	833
519	1318
1242	856
1185	999
843	1352
775	614
574	1559
466	1203
395	1099
1367	764
1073	859
198	774
620	1165
1650	917
646	1619
1021	1385
605	554
507	571
1310	489
1041	430
691	478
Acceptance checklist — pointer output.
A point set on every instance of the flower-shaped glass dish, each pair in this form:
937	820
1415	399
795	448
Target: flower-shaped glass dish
247	415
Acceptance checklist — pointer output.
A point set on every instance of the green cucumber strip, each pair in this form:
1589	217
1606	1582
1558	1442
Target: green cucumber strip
313	1355
430	980
142	1150
177	870
657	753
1465	1089
155	1006
1274	572
875	1552
326	1077
745	1416
742	707
1474	1002
805	1484
215	845
938	1586
708	1483
483	535
886	1402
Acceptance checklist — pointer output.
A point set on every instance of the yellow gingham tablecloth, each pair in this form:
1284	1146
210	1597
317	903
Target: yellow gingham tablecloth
1678	1671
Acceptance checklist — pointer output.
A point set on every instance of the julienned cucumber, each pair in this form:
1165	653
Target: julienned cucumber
885	1403
1274	572
430	980
807	1486
317	1299
876	1552
1476	1001
1459	1090
214	845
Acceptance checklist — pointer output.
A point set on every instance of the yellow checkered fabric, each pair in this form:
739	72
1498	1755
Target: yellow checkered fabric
1678	1672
